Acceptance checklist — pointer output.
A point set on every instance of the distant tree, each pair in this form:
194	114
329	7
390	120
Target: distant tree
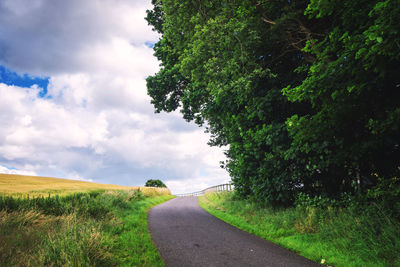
155	183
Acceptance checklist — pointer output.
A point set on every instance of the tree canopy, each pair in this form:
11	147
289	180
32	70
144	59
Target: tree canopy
305	93
154	183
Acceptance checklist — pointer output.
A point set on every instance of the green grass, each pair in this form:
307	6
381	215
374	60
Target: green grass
135	246
335	236
97	228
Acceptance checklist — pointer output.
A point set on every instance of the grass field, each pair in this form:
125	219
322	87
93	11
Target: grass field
21	186
78	224
334	236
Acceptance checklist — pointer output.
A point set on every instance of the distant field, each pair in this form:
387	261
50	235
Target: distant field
20	185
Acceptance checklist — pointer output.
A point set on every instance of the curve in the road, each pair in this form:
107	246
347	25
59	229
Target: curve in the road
186	235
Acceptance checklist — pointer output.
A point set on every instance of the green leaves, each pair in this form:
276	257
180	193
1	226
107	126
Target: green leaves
305	93
155	183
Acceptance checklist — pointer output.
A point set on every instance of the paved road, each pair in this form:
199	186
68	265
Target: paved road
186	235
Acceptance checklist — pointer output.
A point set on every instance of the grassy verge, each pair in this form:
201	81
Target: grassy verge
135	246
333	236
97	228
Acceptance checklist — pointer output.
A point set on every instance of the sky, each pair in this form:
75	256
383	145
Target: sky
73	101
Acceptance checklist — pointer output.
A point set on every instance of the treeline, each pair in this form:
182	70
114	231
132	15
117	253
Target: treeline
305	93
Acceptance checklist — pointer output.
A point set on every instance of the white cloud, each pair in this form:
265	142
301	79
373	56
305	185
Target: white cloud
69	36
96	122
6	170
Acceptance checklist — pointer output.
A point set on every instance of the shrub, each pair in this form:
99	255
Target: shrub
154	183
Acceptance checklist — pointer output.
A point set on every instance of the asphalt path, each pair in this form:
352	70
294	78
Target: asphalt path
186	235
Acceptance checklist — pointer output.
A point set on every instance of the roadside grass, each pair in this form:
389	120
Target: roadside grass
22	186
135	246
96	228
333	236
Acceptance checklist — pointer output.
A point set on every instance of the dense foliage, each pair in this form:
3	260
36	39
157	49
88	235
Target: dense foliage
155	183
304	93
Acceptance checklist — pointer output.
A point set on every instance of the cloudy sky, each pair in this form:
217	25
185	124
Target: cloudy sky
73	100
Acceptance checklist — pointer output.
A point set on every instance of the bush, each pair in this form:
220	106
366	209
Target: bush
155	183
386	195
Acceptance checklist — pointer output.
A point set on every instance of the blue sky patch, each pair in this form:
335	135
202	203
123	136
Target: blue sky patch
10	77
149	44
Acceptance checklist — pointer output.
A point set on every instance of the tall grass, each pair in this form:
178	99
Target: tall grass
81	229
338	236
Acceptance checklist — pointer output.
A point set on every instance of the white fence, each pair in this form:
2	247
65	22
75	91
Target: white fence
216	188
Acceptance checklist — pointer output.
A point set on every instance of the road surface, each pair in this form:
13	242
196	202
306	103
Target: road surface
186	235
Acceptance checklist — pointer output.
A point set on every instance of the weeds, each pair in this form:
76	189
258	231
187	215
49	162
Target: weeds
80	229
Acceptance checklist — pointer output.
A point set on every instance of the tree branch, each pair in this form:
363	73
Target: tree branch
263	14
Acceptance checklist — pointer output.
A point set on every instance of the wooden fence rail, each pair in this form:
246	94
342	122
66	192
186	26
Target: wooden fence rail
216	188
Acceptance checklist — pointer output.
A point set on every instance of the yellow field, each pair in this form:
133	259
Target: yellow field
20	185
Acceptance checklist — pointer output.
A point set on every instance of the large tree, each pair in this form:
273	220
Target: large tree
304	93
353	134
